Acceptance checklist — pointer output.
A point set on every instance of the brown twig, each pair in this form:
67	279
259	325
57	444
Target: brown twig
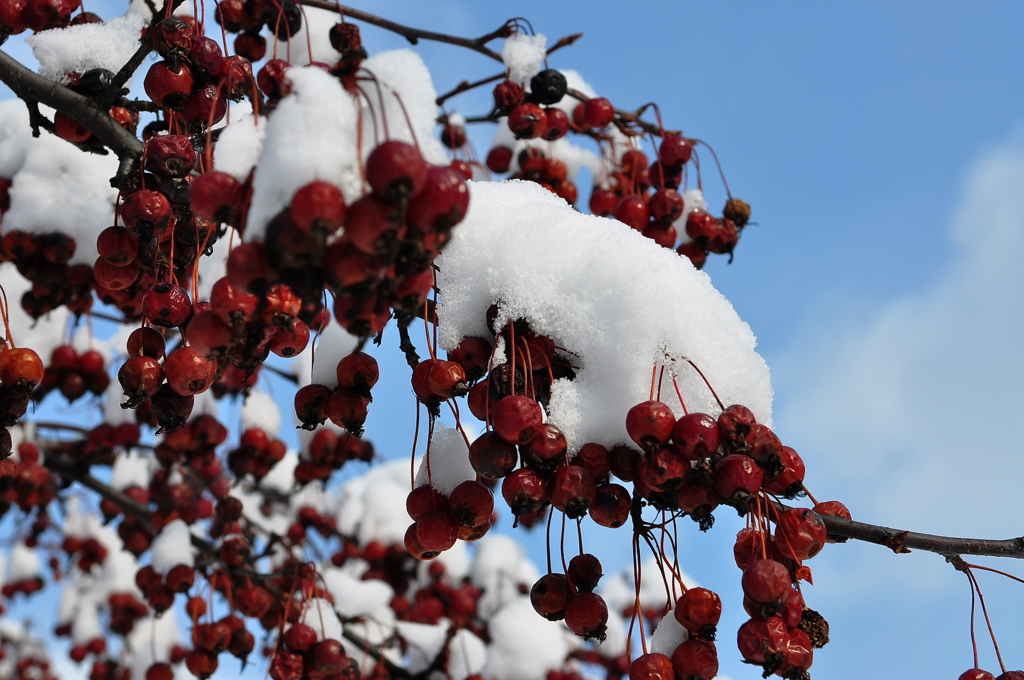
33	87
900	541
414	35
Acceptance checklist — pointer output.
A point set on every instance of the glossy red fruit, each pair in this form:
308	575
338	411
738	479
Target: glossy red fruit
603	202
976	674
499	158
21	368
766	582
737	475
598	112
170	155
290	342
188	372
763	641
587	616
471	503
492	457
443	202
318	207
524	490
550	595
695	436
425	499
145	341
675	150
632	211
585	572
527	121
167	305
697	256
286	666
396	170
118	246
788	482
651	666
698	610
437	531
695	659
800	534
447	379
412	545
557	124
572	490
147	212
546	450
611	506
70	129
516	418
168	85
215	196
650	424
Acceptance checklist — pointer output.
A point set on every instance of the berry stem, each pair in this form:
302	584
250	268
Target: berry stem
680	395
988	622
704	378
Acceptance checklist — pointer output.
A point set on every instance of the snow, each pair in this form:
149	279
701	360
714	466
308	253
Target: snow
150	641
313	132
335	344
448	458
131	469
59	188
306	46
467	654
523	56
173	546
260	411
25	564
372	507
623	305
516	629
77	49
668	635
424	640
319	615
239	145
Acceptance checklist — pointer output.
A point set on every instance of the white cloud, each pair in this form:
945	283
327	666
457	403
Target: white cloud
912	416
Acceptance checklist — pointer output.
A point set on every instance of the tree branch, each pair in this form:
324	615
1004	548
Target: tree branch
414	35
33	87
900	541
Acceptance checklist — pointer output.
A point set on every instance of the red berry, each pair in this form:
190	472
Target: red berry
396	170
587	616
598	112
650	423
550	595
516	418
651	666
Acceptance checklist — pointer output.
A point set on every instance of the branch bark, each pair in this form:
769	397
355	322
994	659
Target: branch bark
901	541
32	87
414	35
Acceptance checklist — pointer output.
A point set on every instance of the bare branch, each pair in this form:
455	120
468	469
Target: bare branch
33	87
414	35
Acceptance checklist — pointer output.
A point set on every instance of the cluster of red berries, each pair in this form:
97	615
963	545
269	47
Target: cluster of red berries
439	520
73	374
646	197
571	597
43	260
18	16
27	484
327	452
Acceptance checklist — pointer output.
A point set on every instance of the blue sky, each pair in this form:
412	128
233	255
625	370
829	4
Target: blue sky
882	150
